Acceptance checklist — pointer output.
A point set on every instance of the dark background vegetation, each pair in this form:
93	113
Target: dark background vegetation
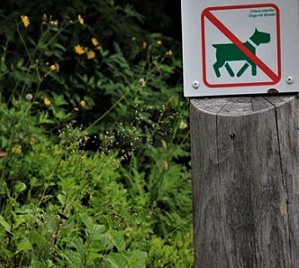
161	16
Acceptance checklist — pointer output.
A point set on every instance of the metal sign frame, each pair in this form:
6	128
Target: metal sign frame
202	78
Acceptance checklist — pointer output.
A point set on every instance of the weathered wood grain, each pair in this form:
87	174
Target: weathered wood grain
245	175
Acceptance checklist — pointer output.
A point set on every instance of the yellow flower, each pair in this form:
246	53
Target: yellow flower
25	20
31	140
80	19
79	50
144	44
90	54
53	67
17	149
95	41
159	43
169	53
54	22
47	101
83	103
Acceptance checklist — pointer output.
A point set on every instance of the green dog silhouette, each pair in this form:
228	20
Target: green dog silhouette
230	52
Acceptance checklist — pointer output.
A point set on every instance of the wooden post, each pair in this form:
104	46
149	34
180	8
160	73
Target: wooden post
245	175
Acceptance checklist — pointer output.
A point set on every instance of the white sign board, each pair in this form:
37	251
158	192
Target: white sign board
240	47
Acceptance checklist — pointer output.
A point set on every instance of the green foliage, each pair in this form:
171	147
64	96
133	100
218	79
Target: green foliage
65	207
90	76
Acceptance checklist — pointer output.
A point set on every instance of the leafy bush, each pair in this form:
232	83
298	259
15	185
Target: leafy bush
94	153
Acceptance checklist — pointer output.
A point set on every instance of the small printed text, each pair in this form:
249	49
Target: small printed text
261	12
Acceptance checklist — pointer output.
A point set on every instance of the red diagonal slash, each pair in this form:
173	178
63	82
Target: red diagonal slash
273	76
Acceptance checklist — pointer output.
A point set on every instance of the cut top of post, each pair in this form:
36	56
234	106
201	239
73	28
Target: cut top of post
237	106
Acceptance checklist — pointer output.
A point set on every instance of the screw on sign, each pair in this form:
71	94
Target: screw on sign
290	79
195	84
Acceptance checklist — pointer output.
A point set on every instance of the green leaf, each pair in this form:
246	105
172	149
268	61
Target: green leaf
87	220
7	253
137	259
117	260
60	47
43	119
73	258
34	182
61	198
59	99
19	219
99	228
26	78
118	240
5	224
98	233
24	245
20	187
77	242
94	256
4	142
37	239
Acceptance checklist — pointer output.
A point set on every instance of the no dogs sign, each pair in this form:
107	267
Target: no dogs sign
240	47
